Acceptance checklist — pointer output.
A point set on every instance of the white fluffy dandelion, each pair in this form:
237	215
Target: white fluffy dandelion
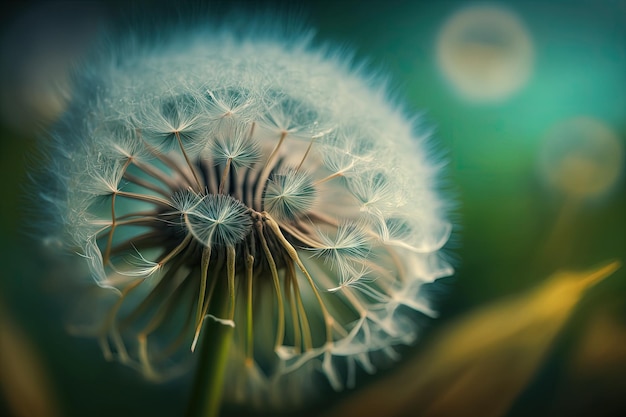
256	170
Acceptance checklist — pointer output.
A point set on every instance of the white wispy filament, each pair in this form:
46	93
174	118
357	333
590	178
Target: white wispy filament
253	169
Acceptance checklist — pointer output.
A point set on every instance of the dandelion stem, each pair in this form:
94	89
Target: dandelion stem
204	270
214	348
230	269
207	301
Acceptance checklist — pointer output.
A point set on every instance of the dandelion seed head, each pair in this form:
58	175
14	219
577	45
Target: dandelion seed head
257	169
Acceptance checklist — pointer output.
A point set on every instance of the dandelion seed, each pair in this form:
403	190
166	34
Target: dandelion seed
236	173
169	120
350	243
235	103
185	201
219	220
289	194
140	267
233	146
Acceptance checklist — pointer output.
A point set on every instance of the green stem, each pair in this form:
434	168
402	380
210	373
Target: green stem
215	341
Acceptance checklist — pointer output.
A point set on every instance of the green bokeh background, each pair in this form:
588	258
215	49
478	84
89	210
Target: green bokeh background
504	211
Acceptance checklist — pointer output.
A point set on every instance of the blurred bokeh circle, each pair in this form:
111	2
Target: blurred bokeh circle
485	52
581	157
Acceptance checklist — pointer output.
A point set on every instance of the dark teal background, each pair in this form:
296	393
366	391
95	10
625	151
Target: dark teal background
504	211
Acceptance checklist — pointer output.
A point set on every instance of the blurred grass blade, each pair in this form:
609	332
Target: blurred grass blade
480	364
24	382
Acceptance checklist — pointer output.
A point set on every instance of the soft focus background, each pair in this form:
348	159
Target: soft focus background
528	104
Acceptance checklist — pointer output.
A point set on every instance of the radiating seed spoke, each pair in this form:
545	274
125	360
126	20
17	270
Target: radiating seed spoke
189	164
293	254
249	325
272	264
